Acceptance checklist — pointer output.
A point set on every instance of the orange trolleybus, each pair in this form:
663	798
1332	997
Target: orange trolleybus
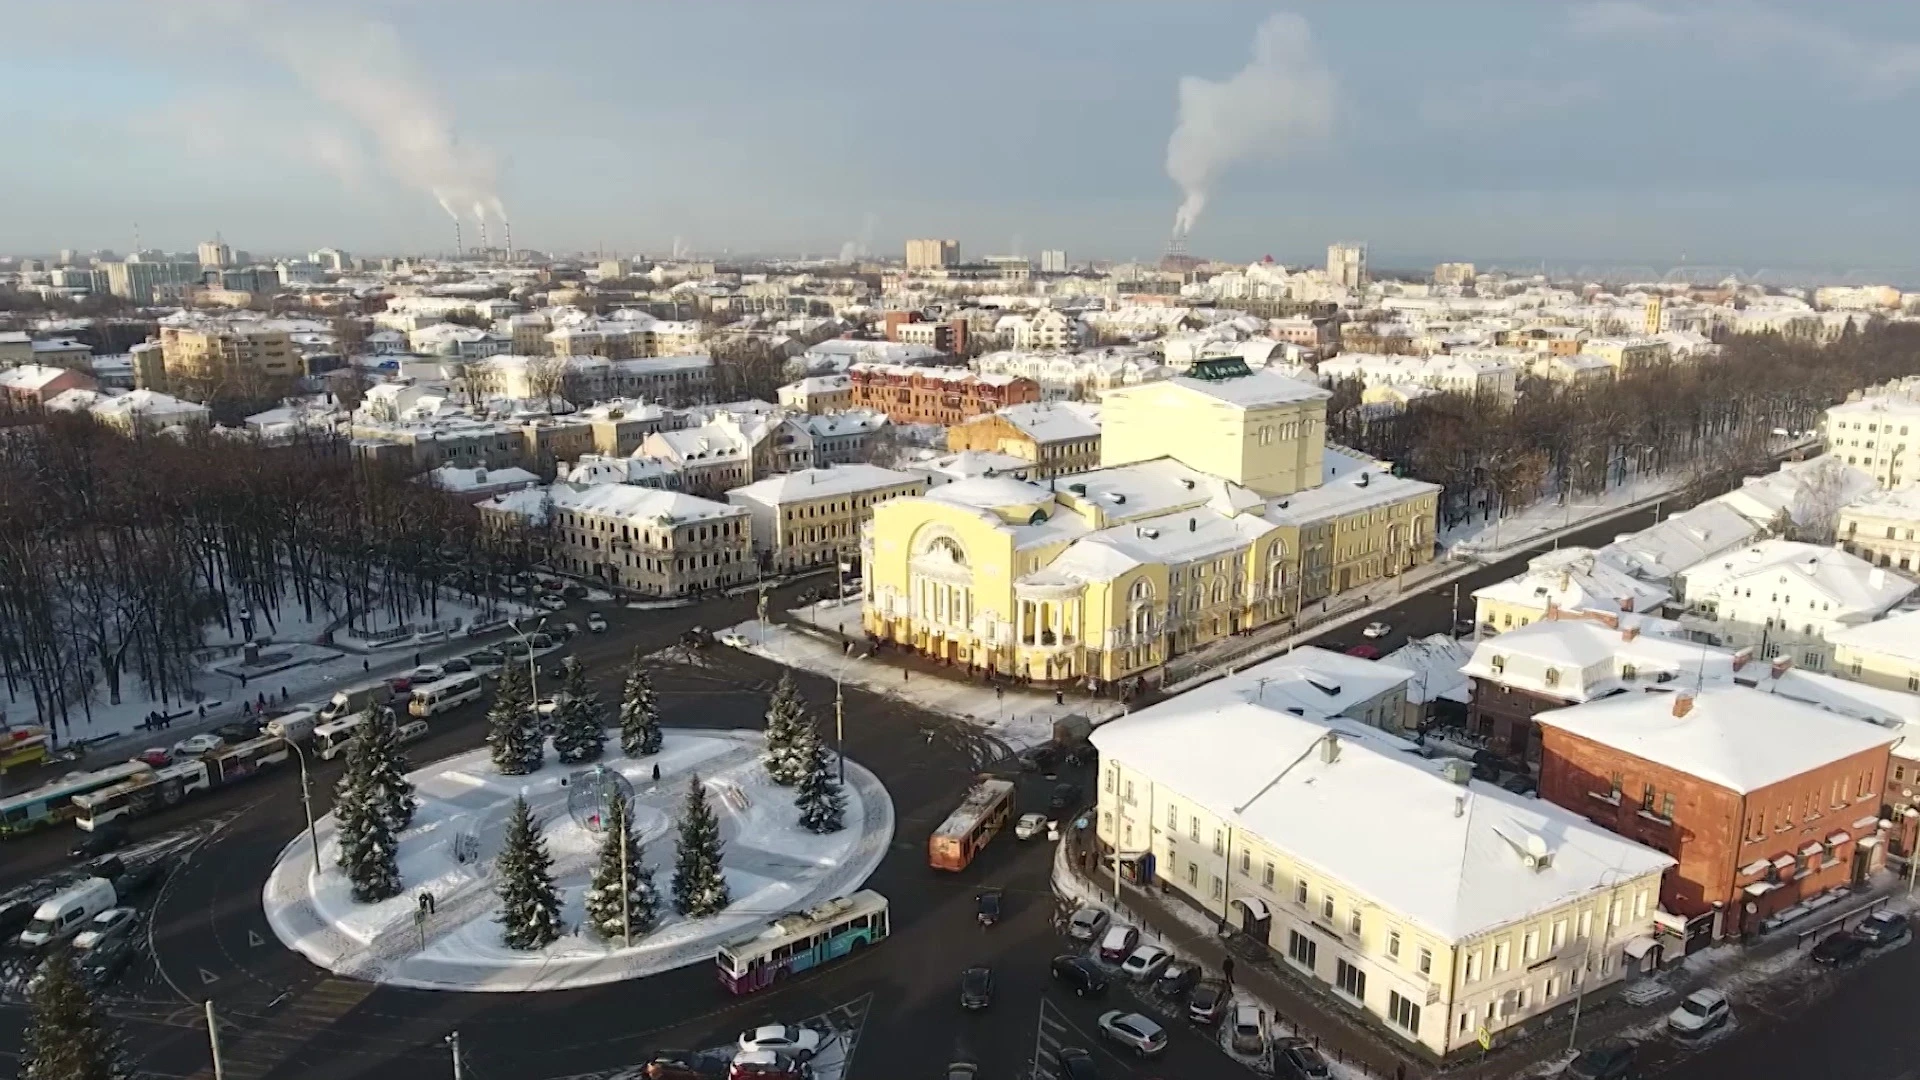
985	810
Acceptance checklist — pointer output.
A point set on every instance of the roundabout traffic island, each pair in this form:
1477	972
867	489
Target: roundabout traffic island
442	932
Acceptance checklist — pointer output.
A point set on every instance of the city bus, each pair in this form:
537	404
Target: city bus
52	803
450	692
802	941
24	746
985	811
140	794
332	738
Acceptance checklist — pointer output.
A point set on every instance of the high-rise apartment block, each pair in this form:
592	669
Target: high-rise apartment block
1053	262
1347	264
932	254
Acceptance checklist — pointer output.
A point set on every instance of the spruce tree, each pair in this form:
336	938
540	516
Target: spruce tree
368	849
65	1039
786	716
512	729
822	806
639	713
529	904
580	722
391	791
605	912
699	888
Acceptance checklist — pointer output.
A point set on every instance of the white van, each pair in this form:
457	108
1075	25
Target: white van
66	914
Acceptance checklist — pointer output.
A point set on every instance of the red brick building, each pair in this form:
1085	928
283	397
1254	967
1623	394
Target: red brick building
929	395
1765	802
36	384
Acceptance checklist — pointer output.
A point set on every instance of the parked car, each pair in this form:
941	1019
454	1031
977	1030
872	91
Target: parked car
1835	950
1249	1030
573	591
976	987
1119	943
1176	979
240	730
540	641
157	756
698	637
1207	1002
1520	784
1087	924
1883	928
962	1070
987	907
767	1065
793	1039
1145	962
552	602
596	622
109	836
457	665
1039	758
1296	1059
400	684
1065	796
1029	826
683	1065
103	963
485	658
14	915
1076	1064
1364	652
1080	973
1133	1031
1606	1061
136	879
427	673
110	925
1701	1011
1376	630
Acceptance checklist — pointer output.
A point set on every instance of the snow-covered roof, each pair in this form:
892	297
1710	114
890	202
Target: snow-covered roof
990	493
1856	587
1052	421
1897	504
1253	391
1345	493
832	481
1897	635
1320	683
964	464
1659	552
1737	738
648	505
1150	488
454	478
1809	492
30	378
1435	662
1575	579
1378	817
851	422
1175	538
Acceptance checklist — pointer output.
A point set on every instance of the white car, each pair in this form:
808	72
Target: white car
1029	826
596	622
733	639
1146	962
109	924
552	602
204	743
1376	630
801	1042
1702	1011
427	673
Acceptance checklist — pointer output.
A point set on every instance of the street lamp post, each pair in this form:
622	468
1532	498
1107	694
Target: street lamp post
1586	963
533	664
306	799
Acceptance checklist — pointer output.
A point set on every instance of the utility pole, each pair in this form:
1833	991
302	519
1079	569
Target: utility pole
840	730
213	1040
453	1043
1454	623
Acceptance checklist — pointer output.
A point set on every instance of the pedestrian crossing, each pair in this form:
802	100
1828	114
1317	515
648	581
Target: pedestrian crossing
1052	1034
253	1052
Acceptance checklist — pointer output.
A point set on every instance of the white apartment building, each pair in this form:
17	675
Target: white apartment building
1347	264
1881	527
1785	598
1044	331
1459	373
1437	906
1875	431
656	543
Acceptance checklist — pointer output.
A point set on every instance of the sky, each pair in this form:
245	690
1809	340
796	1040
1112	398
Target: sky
1741	134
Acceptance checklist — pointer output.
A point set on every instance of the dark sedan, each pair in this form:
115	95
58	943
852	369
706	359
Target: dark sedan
976	987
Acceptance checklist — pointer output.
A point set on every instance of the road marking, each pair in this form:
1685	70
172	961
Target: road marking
255	939
208	977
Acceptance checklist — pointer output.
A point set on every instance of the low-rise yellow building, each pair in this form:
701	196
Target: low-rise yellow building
1218	509
1056	436
813	517
1624	355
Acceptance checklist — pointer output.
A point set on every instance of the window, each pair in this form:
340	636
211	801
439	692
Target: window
1129	795
1520	1000
1426	960
1466	1021
1666	806
1500	956
1173	819
1640	904
1646	798
1530	945
1300	893
1266	876
1193	876
1193	828
1219	841
1351	980
1219	888
1613	914
1353	922
1301	949
1614	783
1586	926
1552	989
1393	944
1553	676
1246	863
1472	972
1558	937
1326	907
1113	776
1403	1013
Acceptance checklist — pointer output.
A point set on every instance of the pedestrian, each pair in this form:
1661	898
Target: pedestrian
905	675
203	710
1226	969
283	695
416	659
246	708
1400	1071
999	693
656	772
363	664
1059	697
243	681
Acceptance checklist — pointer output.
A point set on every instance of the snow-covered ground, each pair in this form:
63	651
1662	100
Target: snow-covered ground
1019	718
771	865
1521	526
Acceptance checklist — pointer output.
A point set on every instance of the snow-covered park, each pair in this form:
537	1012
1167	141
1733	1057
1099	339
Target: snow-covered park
771	865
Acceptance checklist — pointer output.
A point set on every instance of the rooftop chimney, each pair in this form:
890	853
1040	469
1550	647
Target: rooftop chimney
1330	748
1741	657
1629	633
1682	704
1457	771
1781	664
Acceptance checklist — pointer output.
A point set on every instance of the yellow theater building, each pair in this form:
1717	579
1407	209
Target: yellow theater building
1217	507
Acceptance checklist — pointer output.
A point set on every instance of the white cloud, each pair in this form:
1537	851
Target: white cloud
1871	67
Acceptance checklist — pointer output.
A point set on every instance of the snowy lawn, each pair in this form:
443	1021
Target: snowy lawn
1019	718
772	867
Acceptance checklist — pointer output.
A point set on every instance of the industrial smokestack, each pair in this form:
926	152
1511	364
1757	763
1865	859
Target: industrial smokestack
507	228
459	248
483	235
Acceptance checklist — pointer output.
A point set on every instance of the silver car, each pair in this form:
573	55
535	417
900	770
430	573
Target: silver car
1086	924
1136	1032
